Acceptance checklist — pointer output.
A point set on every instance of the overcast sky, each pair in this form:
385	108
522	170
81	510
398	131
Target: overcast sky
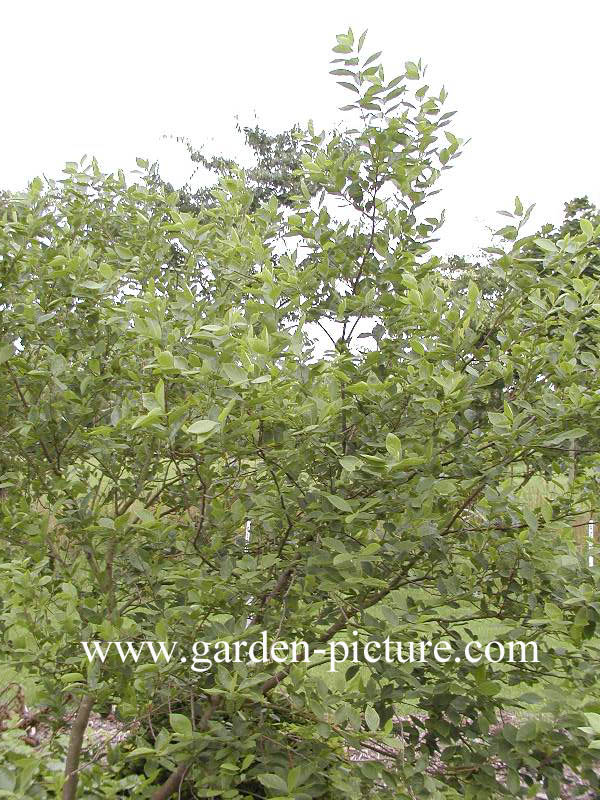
111	78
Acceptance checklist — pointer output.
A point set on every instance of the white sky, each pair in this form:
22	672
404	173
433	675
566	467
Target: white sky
110	78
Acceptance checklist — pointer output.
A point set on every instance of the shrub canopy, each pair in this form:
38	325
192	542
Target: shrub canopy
283	417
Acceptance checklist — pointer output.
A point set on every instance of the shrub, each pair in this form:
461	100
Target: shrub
301	429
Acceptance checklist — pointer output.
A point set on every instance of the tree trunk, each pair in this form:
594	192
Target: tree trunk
74	752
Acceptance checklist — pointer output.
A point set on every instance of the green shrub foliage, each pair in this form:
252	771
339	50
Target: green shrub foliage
296	425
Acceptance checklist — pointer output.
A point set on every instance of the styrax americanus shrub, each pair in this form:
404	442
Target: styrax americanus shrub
299	427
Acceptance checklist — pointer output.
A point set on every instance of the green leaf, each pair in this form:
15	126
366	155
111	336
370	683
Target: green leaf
394	446
547	245
147	419
203	426
234	373
399	90
350	86
6	351
586	228
181	725
141	512
272	781
140	751
165	359
513	782
350	463
371	718
594	721
372	58
531	519
90	285
154	328
412	71
527	731
159	394
73	677
123	252
518	207
339	502
224	413
574	433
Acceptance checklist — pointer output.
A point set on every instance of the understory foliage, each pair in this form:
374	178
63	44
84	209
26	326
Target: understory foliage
296	425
